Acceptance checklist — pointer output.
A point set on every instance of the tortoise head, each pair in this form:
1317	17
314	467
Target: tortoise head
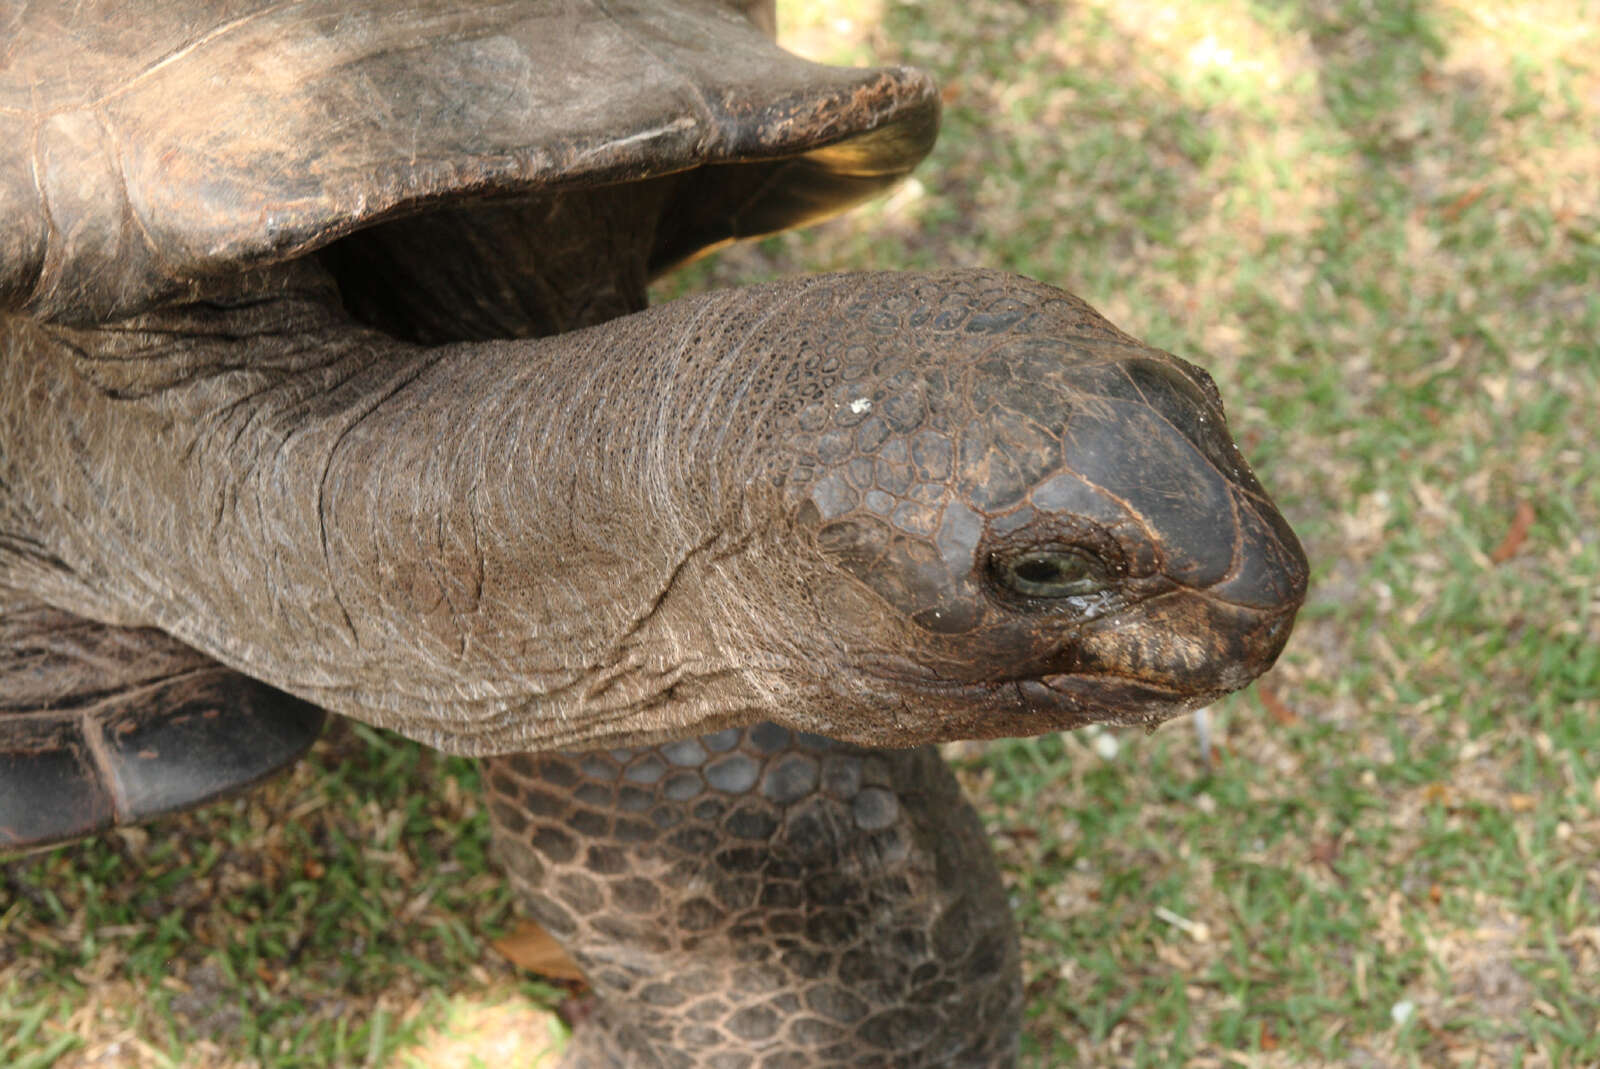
1023	519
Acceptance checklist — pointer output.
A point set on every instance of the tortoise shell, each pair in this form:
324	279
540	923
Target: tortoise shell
198	140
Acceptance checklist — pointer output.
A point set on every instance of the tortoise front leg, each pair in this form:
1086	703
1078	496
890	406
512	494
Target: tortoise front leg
757	899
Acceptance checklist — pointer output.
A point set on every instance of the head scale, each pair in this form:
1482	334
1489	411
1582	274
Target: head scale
1024	519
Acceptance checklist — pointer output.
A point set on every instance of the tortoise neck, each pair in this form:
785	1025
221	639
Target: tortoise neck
537	517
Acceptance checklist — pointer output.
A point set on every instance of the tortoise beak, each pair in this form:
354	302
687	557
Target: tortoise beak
1185	643
1269	569
1216	638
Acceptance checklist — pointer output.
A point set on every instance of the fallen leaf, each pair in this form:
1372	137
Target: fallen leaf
1520	523
1325	851
531	947
1280	713
1453	211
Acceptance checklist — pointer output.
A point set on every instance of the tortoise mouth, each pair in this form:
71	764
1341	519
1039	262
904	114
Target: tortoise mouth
1160	658
1183	643
1022	708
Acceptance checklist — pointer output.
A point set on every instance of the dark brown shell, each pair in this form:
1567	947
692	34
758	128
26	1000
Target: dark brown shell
165	145
101	726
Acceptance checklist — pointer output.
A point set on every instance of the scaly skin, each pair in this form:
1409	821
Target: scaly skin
754	899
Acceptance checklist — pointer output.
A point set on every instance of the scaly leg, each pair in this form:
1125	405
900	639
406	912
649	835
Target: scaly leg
761	899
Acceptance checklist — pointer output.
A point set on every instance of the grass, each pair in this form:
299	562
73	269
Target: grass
1376	225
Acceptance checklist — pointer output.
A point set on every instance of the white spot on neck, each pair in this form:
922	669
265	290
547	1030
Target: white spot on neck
860	405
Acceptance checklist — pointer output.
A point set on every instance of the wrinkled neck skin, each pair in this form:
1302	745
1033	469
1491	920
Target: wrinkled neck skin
886	508
477	545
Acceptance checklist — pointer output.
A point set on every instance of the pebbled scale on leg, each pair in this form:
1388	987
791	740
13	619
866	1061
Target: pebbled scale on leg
765	899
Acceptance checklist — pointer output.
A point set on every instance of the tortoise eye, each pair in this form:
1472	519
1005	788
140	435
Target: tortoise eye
1048	573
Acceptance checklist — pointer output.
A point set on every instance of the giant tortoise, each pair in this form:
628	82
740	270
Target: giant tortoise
327	383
